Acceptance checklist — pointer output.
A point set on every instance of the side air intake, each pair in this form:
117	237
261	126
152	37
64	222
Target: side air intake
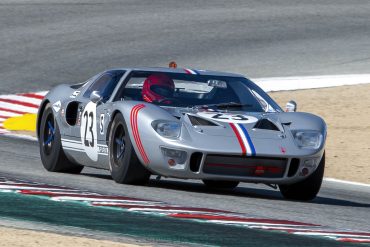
266	124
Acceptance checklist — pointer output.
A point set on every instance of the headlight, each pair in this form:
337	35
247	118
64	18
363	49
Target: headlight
168	129
308	139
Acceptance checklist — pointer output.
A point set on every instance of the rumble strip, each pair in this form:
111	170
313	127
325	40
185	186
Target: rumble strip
212	216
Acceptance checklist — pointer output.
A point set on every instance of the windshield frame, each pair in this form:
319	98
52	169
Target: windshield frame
251	86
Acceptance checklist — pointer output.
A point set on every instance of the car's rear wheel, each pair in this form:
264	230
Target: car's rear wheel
307	189
217	184
125	166
51	152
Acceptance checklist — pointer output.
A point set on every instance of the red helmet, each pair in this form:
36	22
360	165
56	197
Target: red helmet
158	87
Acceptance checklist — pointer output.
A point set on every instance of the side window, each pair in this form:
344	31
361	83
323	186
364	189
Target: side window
105	85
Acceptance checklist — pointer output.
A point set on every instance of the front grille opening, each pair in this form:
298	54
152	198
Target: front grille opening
242	166
195	160
293	168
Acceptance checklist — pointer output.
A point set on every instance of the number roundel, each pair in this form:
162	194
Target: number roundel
88	131
228	117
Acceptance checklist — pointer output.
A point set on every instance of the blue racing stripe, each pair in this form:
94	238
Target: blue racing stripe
253	150
196	72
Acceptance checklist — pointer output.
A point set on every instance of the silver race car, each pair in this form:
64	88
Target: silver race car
182	123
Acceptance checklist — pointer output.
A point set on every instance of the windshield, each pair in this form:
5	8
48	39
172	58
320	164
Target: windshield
185	90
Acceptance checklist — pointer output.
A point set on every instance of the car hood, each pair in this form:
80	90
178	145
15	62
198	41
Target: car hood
217	123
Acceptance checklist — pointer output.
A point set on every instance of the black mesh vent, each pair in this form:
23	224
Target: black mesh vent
293	168
195	160
266	125
200	121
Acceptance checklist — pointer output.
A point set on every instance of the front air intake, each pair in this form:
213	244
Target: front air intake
195	160
266	124
197	121
293	168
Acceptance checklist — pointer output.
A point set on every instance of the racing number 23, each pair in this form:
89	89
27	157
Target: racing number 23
88	131
89	125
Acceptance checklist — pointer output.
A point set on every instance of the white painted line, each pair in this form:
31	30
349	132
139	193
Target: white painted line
31	187
251	223
21	99
16	107
92	199
42	93
9	114
310	82
330	234
345	182
20	136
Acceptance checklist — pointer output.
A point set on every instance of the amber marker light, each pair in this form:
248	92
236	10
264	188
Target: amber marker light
172	65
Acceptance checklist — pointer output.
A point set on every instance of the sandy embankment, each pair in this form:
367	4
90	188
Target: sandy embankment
19	238
346	111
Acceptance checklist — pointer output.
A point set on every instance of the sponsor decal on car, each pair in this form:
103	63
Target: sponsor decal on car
56	106
75	94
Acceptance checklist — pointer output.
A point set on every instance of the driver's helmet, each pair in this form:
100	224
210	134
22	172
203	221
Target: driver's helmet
158	87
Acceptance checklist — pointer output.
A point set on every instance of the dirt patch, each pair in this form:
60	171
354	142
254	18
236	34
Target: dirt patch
29	238
346	111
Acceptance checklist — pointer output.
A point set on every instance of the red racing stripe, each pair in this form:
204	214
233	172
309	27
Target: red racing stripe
134	126
31	95
17	102
354	240
187	71
240	140
136	132
138	135
201	210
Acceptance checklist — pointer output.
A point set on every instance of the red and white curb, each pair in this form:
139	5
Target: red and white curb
14	105
214	216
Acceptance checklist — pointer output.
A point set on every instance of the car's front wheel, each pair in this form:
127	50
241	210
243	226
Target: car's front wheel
51	152
125	166
307	189
218	184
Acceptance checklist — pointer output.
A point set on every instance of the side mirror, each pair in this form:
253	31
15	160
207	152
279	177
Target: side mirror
95	97
291	106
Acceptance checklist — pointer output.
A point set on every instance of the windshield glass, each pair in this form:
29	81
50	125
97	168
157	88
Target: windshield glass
185	90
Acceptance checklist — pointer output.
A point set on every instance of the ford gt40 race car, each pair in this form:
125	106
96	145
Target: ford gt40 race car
182	123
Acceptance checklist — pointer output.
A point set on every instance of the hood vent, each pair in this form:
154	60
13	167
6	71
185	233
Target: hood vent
266	124
197	121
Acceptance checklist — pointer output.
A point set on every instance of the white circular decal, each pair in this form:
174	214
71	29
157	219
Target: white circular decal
88	131
228	117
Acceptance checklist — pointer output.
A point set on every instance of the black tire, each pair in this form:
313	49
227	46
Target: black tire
125	166
307	189
51	152
215	184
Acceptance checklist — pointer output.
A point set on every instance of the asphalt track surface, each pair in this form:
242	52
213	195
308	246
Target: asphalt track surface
337	205
47	42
